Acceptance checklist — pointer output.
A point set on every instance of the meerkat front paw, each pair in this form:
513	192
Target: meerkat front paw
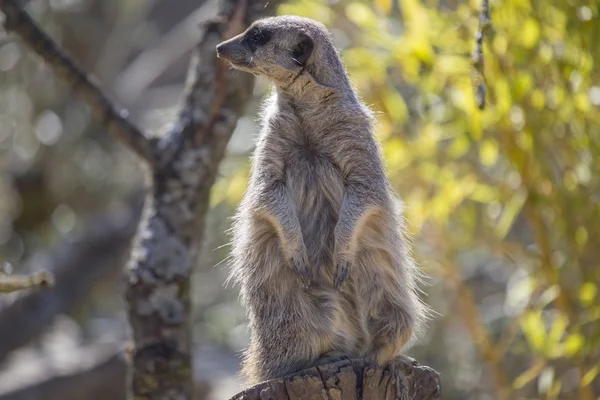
340	273
300	263
342	259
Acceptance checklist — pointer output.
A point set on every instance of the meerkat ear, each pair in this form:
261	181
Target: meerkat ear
303	49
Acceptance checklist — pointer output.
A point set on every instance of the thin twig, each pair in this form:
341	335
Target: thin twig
477	57
115	120
14	283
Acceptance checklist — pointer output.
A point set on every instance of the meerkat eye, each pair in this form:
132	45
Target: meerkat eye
257	37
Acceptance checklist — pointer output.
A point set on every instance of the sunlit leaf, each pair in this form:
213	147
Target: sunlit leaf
590	375
395	106
361	15
509	213
573	344
534	330
488	153
397	154
558	329
459	147
385	5
538	100
529	33
587	293
484	193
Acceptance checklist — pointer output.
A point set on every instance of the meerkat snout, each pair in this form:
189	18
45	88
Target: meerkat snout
236	53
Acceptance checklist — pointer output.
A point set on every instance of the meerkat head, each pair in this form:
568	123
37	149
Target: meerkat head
295	53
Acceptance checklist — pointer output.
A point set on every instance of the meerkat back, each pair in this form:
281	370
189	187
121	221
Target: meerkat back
319	248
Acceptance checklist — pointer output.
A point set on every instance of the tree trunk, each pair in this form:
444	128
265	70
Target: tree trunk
171	233
350	380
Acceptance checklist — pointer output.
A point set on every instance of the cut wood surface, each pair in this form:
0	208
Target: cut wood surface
350	380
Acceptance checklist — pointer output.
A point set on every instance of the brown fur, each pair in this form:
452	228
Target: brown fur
319	248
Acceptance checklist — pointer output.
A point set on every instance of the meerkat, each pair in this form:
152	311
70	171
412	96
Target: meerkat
319	247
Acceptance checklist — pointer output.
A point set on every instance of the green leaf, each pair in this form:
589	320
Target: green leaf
395	106
362	15
530	33
589	376
488	153
573	344
385	5
534	330
510	212
587	293
557	330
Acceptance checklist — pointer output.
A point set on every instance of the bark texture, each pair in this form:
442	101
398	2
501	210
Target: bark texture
350	380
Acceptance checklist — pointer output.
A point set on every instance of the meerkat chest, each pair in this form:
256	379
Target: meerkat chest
312	177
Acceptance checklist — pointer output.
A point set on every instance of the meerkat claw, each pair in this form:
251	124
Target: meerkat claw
301	266
340	275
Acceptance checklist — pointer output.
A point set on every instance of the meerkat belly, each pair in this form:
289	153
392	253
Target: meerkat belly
316	187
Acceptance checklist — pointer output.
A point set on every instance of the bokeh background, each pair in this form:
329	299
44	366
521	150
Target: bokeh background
503	204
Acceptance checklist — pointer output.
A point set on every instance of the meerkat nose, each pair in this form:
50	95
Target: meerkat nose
219	48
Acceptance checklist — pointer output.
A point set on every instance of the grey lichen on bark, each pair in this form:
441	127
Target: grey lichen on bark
354	379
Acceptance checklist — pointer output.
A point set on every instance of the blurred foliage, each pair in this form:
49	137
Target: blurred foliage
504	203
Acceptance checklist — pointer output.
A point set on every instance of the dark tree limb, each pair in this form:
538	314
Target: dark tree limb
114	119
76	265
350	379
477	58
101	382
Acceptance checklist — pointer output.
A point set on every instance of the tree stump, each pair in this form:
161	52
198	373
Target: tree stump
350	380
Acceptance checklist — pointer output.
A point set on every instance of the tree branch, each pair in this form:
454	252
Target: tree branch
115	120
14	283
477	58
158	293
350	379
103	381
